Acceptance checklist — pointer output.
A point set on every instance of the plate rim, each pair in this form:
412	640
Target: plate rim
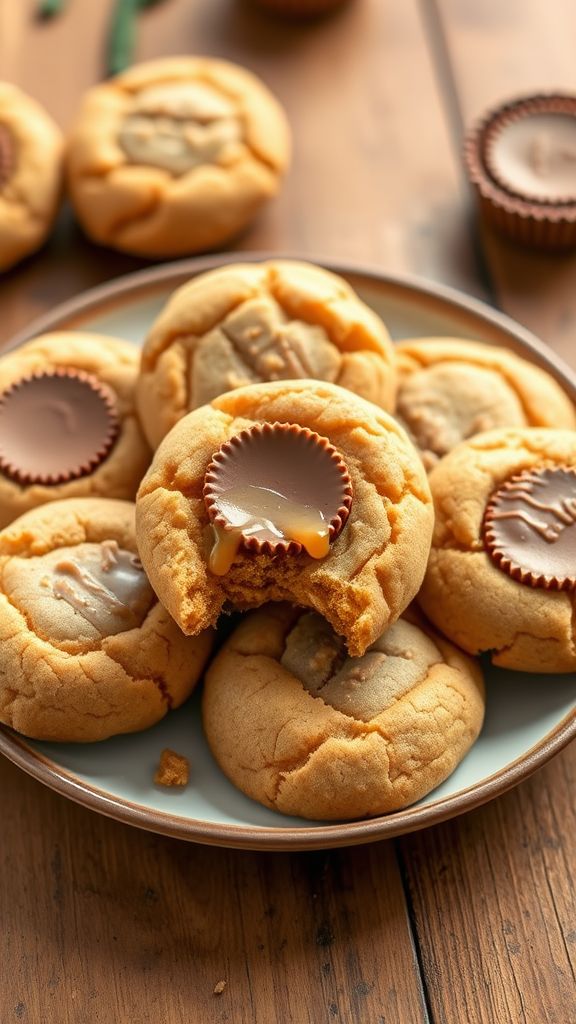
291	838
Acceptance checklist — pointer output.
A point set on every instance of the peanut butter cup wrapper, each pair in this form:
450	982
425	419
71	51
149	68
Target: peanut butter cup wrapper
285	459
529	527
56	427
521	161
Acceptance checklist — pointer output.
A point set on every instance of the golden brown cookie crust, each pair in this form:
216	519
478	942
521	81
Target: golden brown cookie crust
373	569
88	689
147	209
191	354
30	196
297	754
479	606
115	363
452	389
173	770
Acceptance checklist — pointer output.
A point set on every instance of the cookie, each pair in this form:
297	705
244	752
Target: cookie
175	156
501	574
246	323
449	390
173	770
86	649
68	423
302	728
31	162
293	490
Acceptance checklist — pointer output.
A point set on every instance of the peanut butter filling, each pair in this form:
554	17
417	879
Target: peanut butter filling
442	405
89	591
177	126
361	687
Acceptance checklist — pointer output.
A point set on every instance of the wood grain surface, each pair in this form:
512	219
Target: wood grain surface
472	921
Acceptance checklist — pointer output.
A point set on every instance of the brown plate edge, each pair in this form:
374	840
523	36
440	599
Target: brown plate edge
69	315
300	838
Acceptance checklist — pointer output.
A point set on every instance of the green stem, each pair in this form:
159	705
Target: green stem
122	38
50	8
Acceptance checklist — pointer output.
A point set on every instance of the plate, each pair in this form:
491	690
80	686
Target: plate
529	717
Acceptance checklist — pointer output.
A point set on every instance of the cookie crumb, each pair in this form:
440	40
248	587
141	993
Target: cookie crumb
173	770
219	988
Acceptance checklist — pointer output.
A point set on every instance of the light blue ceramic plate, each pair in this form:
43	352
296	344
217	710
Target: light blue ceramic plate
529	717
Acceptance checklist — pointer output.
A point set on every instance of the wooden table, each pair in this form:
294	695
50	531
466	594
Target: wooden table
470	921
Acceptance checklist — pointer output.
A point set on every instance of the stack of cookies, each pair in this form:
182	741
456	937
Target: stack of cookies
374	517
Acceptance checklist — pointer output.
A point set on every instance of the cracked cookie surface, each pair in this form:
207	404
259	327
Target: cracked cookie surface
450	390
306	730
465	594
250	322
86	649
372	570
115	364
31	163
175	156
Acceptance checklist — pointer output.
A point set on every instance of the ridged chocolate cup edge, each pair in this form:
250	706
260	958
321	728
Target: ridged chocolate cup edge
540	223
283	547
27	479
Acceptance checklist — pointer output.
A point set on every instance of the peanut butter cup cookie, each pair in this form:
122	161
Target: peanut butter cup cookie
31	150
86	649
245	323
68	423
502	571
293	490
301	727
175	155
450	389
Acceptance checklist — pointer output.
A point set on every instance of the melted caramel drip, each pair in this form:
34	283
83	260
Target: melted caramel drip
252	510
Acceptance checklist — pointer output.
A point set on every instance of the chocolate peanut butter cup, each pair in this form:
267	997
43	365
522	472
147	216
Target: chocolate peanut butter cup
7	154
277	488
530	528
56	427
521	160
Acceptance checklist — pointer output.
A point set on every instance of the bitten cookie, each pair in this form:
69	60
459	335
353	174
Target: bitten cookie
314	495
31	162
68	423
302	728
245	323
175	155
86	649
449	390
502	571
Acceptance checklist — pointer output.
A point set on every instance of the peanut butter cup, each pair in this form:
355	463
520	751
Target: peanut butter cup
530	528
522	162
275	488
56	427
7	154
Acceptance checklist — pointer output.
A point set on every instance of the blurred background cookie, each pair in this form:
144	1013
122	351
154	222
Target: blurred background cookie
247	500
450	389
502	571
31	149
246	323
306	730
68	423
86	650
175	156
